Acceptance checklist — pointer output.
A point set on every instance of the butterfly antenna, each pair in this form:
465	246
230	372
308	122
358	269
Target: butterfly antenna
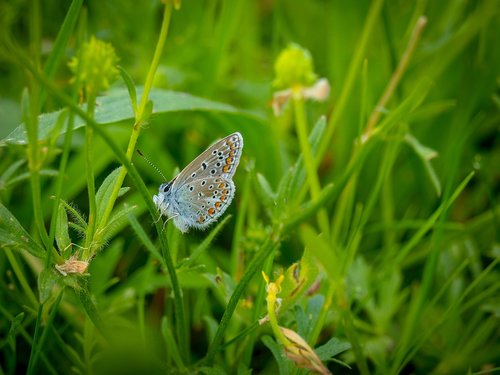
151	164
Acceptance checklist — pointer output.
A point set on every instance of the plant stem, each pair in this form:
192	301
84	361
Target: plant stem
25	285
31	121
60	178
398	74
89	135
37	346
354	68
167	14
312	176
139	114
325	309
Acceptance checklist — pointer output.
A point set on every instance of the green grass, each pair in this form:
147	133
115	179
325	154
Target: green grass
379	206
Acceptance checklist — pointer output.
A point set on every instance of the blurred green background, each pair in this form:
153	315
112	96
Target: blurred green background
419	267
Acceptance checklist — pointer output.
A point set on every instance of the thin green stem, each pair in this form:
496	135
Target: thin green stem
354	69
167	15
25	285
89	135
37	206
60	178
36	338
398	74
32	125
302	131
35	32
139	115
352	336
312	176
236	269
257	311
325	309
35	163
37	347
273	320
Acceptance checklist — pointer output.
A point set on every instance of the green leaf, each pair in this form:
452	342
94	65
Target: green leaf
203	246
11	169
103	267
13	235
285	366
115	108
425	154
298	278
405	109
58	50
299	175
117	220
75	215
282	201
216	370
15	326
62	236
148	110
223	285
333	347
310	208
320	249
267	195
123	191
170	343
144	238
57	129
306	319
104	193
46	281
130	87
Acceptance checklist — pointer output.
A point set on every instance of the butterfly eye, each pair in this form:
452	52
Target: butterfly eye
165	187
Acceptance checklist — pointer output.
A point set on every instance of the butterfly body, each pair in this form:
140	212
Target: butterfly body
203	190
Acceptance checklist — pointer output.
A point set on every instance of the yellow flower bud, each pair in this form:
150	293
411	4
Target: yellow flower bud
294	67
95	67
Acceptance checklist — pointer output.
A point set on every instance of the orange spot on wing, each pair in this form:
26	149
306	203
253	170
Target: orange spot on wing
217	205
226	168
211	211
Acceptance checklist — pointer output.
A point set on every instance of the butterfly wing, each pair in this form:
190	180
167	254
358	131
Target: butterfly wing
220	159
202	201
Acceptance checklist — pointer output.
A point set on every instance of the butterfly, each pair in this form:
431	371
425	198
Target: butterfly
202	191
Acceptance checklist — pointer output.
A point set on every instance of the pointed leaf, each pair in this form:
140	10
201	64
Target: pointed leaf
314	140
170	342
206	242
130	87
15	324
46	282
115	107
104	193
284	365
62	236
333	347
425	154
266	192
75	215
13	235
